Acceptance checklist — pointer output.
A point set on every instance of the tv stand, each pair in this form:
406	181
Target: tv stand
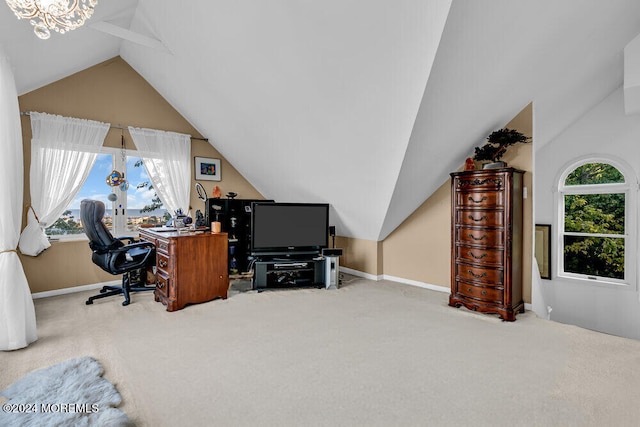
288	273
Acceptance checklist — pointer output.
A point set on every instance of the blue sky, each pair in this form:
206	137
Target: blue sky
96	186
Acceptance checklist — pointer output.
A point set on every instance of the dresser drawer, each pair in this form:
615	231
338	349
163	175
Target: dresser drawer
479	255
493	182
480	199
483	237
481	218
479	274
480	292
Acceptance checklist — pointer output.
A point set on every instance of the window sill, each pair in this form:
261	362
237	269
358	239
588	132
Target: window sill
600	282
69	238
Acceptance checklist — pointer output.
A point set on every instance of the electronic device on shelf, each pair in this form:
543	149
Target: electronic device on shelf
234	216
289	229
287	240
276	274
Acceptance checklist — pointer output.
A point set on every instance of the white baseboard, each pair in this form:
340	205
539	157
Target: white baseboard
360	274
424	285
393	279
74	289
417	283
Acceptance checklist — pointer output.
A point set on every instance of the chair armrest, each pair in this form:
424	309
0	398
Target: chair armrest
137	245
125	249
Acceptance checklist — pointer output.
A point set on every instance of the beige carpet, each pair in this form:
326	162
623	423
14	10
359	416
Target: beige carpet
367	354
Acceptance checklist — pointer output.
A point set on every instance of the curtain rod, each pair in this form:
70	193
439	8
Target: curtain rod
26	113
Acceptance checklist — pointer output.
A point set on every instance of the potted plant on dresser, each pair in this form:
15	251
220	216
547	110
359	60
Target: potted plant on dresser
496	147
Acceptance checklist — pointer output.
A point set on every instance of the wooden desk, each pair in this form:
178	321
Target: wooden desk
190	267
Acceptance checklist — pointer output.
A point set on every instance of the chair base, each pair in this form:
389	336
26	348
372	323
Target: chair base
125	289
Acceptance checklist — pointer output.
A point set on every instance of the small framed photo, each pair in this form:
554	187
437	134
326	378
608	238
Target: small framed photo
207	169
543	249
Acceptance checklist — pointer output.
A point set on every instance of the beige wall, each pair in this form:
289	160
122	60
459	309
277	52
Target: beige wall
361	255
108	92
420	248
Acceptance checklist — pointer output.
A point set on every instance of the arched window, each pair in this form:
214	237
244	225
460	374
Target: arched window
596	224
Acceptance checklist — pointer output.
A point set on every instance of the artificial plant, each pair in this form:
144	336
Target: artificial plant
497	143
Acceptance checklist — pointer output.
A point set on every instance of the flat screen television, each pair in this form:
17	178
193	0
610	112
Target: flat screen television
289	229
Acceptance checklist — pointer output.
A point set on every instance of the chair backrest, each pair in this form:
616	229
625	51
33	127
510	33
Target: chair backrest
100	238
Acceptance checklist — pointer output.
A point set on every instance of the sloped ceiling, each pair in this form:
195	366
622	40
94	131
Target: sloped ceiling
367	105
38	62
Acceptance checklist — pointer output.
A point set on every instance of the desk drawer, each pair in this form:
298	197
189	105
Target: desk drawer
162	284
162	246
163	262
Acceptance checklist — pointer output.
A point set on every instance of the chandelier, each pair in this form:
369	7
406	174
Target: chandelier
58	15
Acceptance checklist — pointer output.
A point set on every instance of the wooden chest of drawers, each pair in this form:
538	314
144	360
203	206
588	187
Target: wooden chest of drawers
190	268
486	247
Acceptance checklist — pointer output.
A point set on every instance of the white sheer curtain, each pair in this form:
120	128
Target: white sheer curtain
63	151
17	314
167	159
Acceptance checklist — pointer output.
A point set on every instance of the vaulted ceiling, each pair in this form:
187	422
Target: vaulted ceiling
365	104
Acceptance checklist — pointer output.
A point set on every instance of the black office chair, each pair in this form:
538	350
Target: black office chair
112	255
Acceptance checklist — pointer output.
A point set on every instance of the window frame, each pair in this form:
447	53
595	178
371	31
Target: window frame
117	164
629	188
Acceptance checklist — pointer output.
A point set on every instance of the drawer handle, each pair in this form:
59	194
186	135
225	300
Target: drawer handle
477	257
484	198
471	236
477	276
159	284
484	292
483	218
162	263
469	290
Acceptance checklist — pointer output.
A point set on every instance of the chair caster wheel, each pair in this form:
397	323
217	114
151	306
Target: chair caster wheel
89	302
125	303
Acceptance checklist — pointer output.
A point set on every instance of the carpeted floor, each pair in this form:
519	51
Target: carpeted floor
369	353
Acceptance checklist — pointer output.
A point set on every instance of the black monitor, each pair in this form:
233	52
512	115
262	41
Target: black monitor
289	229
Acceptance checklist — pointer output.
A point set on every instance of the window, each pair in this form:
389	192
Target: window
596	212
128	212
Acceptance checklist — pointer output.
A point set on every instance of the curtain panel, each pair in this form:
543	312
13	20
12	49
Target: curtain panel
63	151
17	313
167	159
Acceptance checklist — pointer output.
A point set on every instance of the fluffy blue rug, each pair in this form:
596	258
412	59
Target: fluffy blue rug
71	393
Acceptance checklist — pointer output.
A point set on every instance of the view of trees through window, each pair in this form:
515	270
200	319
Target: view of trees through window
140	201
594	224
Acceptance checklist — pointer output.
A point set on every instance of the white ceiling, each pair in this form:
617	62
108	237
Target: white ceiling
365	104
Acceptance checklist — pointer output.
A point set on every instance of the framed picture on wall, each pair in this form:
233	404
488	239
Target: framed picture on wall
543	249
207	169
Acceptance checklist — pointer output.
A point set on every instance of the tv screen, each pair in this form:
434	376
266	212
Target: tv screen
289	228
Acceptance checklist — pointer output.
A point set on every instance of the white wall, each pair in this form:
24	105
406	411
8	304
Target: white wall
608	131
